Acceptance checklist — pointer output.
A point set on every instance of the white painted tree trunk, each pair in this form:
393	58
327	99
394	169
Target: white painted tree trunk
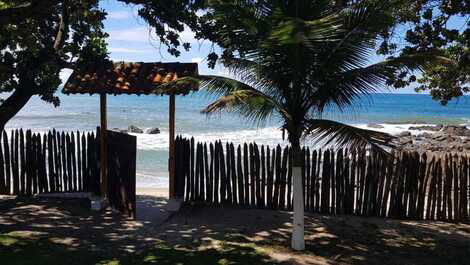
298	241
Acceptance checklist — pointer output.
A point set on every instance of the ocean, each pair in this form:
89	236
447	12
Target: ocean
395	112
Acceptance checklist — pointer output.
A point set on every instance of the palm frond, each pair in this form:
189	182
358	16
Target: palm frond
362	25
341	135
220	85
343	88
251	104
295	31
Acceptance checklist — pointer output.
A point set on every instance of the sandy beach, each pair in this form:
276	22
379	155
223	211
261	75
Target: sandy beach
155	192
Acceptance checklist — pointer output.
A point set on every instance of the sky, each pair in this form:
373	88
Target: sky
130	40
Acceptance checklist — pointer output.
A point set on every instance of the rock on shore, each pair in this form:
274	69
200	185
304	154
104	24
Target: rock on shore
439	138
153	131
134	129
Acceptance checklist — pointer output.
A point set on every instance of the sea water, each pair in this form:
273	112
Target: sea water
395	112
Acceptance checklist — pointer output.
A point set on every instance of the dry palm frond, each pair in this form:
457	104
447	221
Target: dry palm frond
345	136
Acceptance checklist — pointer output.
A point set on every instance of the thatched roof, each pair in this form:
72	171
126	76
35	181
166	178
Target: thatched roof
133	78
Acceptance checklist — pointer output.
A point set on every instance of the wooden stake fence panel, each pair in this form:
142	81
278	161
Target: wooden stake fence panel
76	180
252	175
223	175
318	182
211	174
6	150
257	175
207	179
283	183
43	167
233	174
263	180
197	171
3	179
277	181
269	177
228	175
240	177
403	185
14	161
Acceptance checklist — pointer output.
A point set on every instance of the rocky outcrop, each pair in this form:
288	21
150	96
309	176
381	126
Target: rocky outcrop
153	131
450	138
375	126
458	130
119	130
404	134
134	129
434	128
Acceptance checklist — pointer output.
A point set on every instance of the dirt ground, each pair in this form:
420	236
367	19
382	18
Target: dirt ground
329	239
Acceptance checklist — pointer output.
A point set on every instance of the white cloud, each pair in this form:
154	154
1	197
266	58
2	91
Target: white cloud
145	34
121	15
118	15
197	60
139	34
125	50
187	36
123	59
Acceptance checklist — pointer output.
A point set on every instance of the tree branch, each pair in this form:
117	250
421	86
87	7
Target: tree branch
33	8
63	27
12	105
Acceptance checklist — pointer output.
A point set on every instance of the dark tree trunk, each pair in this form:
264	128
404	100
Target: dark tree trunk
12	105
294	140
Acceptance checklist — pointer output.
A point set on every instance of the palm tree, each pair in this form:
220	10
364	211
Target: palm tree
293	59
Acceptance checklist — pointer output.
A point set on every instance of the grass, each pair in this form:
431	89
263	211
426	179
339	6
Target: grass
25	248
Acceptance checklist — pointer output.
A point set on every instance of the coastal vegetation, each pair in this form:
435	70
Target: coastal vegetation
38	39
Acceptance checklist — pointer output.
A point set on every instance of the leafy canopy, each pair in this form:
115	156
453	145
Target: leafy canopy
33	49
429	25
292	59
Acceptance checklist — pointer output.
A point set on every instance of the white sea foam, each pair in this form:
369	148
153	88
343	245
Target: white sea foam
151	180
264	136
267	136
394	129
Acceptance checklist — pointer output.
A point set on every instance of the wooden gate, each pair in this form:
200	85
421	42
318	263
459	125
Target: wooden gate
122	150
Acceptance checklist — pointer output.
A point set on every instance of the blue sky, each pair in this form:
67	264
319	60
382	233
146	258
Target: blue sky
130	40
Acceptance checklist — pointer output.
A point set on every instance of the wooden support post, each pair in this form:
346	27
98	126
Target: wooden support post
171	158
104	149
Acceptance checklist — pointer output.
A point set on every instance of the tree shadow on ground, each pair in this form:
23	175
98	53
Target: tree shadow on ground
58	231
329	239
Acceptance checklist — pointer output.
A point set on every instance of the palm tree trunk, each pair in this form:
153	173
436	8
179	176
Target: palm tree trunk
298	240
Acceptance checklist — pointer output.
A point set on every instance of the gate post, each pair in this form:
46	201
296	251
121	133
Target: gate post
171	158
103	147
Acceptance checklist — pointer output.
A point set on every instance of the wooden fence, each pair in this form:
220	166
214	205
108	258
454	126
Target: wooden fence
32	163
404	185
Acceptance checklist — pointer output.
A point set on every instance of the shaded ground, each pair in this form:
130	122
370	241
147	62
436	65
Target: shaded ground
51	232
